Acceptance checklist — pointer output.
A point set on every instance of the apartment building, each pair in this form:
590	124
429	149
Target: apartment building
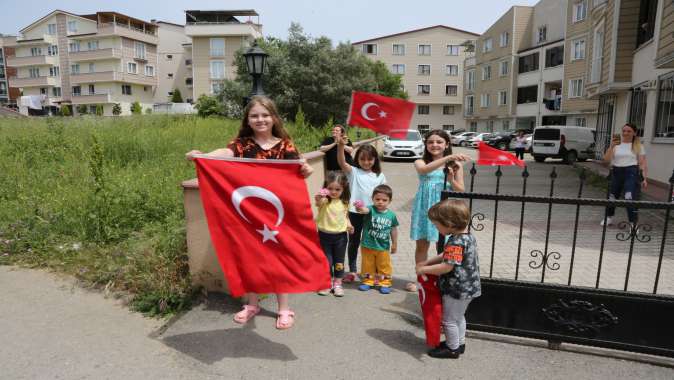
215	37
430	62
103	59
8	94
631	75
174	58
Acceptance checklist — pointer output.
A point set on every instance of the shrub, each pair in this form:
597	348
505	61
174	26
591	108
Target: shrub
99	110
82	109
65	110
176	97
117	109
208	106
136	108
148	111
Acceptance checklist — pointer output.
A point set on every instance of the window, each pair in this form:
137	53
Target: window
217	87
578	51
423	129
486	73
217	70
527	94
452	70
423	109
92	45
664	117
554	56
424	50
35	51
506	125
470	80
637	111
398	49
397	68
139	50
34	72
43	90
528	63
92	67
484	100
75	69
169	75
473	126
370	49
217	47
503	40
56	92
77	90
126	89
448	110
170	93
502	98
490	126
132	67
647	12
149	70
424	69
597	54
170	57
450	90
92	109
54	71
579	11
596	3
53	50
188	62
452	49
542	33
72	26
188	81
503	68
92	89
448	127
581	122
575	88
470	105
424	89
51	29
487	45
74	47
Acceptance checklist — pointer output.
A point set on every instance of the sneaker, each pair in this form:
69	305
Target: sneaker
608	221
338	291
385	290
462	348
324	292
364	287
444	352
350	277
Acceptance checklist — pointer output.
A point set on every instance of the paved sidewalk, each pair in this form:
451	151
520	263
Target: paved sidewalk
51	329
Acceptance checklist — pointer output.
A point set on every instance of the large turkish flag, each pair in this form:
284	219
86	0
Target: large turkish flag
261	224
389	116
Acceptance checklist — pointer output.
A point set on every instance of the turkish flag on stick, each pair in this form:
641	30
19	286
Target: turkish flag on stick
431	308
488	155
260	220
388	116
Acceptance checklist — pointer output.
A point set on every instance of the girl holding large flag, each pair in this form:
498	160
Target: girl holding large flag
262	136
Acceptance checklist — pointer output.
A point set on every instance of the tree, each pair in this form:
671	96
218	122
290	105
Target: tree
208	106
99	110
136	109
468	46
82	109
176	97
65	110
116	109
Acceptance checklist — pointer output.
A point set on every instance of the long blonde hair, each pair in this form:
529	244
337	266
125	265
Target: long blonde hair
636	142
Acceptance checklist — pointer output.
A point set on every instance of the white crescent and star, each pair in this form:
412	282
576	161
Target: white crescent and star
366	107
244	192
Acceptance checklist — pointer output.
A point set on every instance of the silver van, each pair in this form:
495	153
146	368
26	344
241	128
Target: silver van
569	143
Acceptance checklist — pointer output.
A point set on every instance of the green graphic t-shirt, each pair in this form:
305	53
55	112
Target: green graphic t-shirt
377	229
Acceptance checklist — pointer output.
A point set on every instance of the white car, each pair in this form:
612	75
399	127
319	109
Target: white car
410	146
462	138
475	140
527	144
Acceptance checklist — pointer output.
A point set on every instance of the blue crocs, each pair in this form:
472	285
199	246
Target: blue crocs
364	287
385	290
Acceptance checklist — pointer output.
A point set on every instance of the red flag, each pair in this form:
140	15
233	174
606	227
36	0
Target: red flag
431	308
260	220
488	155
389	116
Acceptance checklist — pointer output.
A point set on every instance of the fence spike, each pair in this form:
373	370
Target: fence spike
582	175
473	171
553	174
525	172
498	171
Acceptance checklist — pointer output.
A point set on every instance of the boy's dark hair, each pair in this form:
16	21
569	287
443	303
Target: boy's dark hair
342	180
370	151
442	134
383	189
451	213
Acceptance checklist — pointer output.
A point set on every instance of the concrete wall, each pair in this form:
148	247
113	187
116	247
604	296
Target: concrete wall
171	40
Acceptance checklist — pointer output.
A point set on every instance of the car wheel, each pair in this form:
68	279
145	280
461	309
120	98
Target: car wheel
570	157
539	158
463	144
502	146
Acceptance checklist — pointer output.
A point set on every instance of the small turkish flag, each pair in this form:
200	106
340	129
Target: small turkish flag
488	155
388	116
431	308
260	220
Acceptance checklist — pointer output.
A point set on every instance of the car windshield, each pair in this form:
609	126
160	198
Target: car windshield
411	136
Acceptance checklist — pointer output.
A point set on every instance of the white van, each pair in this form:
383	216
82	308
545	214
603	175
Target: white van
565	142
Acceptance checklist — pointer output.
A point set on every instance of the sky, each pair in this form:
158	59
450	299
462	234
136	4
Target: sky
339	20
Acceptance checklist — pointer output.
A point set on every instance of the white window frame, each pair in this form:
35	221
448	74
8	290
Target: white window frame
400	47
578	49
421	49
52	50
448	86
451	109
56	92
92	45
486	72
139	50
74	47
72	26
33	72
501	65
504	39
78	92
398	68
216	86
51	29
91	89
579	11
215	51
487	45
54	71
542	35
92	67
420	72
35	51
212	74
485	101
419	88
368	51
425	107
149	70
575	88
452	70
471	80
581	122
451	49
132	67
130	92
469	105
75	68
503	98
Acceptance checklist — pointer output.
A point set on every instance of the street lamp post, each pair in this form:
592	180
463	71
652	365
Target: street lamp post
256	58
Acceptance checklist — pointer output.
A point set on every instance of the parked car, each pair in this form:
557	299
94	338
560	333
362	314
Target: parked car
527	146
462	138
502	139
458	131
569	143
410	146
477	139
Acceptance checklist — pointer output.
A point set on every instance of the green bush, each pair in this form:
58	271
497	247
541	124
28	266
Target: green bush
136	108
82	109
176	97
99	110
208	106
65	110
116	109
148	111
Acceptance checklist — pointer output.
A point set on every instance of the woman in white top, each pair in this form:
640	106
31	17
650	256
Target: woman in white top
628	170
520	145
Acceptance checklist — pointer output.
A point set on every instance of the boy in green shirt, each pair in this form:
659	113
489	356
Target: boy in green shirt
380	234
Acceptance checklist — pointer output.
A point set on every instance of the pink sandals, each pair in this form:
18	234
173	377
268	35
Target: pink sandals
246	314
285	319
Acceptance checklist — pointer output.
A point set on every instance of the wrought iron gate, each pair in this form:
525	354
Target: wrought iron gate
578	304
604	124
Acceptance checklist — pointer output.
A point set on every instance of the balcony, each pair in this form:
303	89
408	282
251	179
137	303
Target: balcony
37	60
94	55
117	29
45	39
42	81
112	76
470	61
207	29
91	98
